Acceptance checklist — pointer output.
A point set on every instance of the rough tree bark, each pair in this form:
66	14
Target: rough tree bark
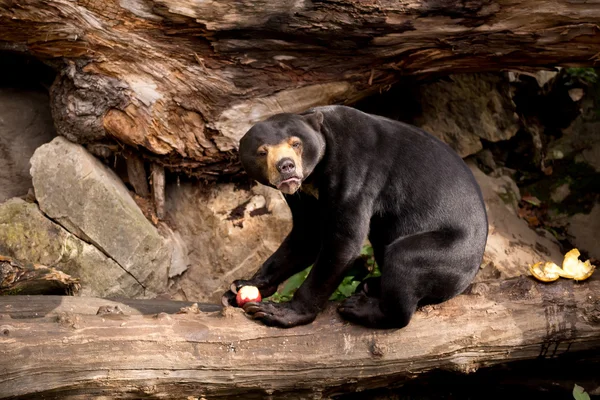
182	80
21	278
66	347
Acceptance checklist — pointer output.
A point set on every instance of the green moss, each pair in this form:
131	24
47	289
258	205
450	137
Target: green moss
26	234
11	211
509	198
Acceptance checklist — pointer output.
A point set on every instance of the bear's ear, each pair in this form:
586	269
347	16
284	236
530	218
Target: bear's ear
314	119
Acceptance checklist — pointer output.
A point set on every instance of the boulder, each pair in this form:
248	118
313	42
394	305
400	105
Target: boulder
26	234
25	124
229	232
87	198
575	156
466	108
512	245
584	230
180	260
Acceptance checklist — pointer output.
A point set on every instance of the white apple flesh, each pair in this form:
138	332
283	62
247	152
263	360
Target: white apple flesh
247	294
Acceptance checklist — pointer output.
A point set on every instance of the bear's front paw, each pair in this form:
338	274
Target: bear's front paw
278	314
228	299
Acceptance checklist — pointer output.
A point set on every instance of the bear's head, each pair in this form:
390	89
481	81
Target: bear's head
283	150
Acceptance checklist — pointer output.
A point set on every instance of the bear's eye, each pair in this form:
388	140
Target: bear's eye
261	153
296	145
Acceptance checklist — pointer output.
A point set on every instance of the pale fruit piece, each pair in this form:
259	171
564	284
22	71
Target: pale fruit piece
247	294
546	272
575	268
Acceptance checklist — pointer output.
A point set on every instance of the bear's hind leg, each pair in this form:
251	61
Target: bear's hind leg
366	309
373	296
370	286
428	265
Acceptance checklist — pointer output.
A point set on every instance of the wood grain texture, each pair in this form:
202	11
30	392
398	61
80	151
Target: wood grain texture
183	80
58	348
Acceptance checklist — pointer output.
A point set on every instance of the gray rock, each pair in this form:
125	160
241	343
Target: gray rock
576	94
26	234
468	108
581	139
512	246
585	231
543	78
560	193
228	231
591	155
25	124
180	260
580	142
85	197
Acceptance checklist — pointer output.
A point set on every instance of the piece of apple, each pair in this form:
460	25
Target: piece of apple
247	294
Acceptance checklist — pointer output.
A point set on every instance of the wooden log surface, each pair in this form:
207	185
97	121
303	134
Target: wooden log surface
58	347
182	80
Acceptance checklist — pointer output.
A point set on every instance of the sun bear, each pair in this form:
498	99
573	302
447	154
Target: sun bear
347	175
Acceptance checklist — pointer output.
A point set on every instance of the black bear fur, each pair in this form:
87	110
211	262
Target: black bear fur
369	176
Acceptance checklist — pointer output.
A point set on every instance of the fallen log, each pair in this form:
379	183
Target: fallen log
183	80
70	347
23	278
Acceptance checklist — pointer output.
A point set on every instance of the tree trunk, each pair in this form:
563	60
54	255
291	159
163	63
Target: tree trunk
183	80
58	347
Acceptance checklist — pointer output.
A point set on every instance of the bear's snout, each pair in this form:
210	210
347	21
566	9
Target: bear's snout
286	166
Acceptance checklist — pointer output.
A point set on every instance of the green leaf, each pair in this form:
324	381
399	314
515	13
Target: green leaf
376	272
294	282
275	298
290	287
348	289
579	393
336	296
367	250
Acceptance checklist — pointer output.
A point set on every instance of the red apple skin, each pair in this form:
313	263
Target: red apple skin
247	294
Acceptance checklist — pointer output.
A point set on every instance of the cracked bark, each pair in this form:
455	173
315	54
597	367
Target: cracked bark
181	81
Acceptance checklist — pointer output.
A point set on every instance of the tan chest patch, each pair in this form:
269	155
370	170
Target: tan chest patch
310	189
